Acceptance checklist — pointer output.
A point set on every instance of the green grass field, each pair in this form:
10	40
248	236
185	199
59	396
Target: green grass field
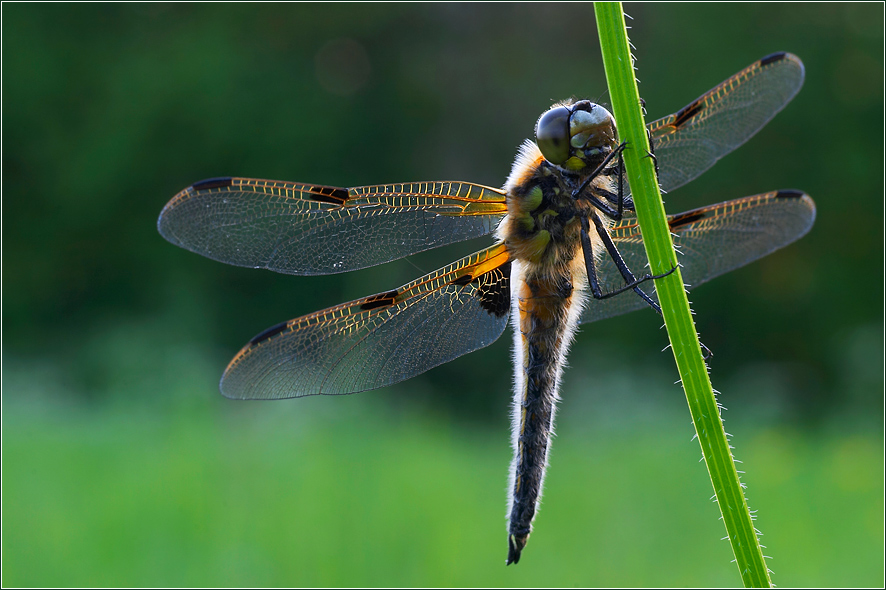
337	492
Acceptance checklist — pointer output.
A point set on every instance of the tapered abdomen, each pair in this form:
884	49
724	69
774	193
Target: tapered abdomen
546	308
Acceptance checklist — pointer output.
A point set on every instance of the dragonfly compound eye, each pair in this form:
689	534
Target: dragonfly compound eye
590	129
552	134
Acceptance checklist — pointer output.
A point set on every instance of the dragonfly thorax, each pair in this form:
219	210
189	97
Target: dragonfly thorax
575	135
544	218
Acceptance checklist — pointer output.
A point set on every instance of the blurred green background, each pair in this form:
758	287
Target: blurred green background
122	465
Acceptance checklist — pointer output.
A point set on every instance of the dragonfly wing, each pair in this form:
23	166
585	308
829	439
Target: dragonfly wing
691	140
379	340
307	229
711	241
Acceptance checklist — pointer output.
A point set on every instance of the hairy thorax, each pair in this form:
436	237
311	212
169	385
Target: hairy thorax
542	228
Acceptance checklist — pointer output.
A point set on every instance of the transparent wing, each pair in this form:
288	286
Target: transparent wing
308	229
691	140
711	241
381	339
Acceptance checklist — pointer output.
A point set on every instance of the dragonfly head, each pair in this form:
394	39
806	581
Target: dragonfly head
576	134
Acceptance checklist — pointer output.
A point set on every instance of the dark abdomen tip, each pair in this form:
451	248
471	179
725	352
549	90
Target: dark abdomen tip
515	547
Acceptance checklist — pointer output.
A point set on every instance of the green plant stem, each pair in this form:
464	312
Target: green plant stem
672	297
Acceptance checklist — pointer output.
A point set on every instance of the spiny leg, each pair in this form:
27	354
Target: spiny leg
621	201
577	193
651	153
619	198
631	281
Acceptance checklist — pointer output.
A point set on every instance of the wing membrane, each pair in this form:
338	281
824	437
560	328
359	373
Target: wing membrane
711	241
691	140
379	340
308	229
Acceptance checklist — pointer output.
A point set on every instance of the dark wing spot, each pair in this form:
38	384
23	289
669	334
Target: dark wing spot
270	333
771	58
494	290
686	113
380	300
329	194
462	280
680	221
790	194
213	183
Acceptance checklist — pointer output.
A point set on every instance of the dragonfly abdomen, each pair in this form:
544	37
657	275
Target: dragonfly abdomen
547	304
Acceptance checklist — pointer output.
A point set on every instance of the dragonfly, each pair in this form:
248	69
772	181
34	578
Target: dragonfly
566	240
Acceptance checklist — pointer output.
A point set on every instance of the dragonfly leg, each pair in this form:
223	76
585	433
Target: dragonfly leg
651	153
594	282
706	352
619	199
628	202
577	193
631	281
